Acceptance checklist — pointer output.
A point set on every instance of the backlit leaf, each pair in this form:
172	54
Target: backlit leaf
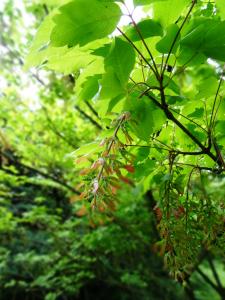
166	43
168	12
221	6
208	37
147	29
118	66
81	22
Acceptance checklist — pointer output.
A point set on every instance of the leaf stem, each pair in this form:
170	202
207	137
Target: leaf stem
190	120
138	51
212	118
145	45
177	35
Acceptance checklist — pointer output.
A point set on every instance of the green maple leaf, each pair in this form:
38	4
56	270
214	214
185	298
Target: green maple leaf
81	22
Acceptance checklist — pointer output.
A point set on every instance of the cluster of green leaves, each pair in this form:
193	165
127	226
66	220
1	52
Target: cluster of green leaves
153	84
143	108
50	252
50	248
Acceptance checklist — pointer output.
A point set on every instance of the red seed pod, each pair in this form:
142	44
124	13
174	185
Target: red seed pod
129	168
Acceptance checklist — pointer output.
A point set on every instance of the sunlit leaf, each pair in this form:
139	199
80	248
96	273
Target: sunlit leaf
80	22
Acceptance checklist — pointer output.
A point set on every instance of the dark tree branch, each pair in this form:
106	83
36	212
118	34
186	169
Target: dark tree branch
190	120
146	146
169	150
220	291
189	290
86	116
91	108
213	170
215	274
46	9
11	159
170	116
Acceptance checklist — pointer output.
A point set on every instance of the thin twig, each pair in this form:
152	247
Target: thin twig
146	146
214	104
170	116
177	35
145	45
190	120
92	108
83	113
209	281
43	174
215	274
138	51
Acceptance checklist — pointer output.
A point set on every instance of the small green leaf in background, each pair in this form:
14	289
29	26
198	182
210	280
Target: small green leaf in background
165	44
171	84
89	88
142	122
148	28
207	37
220	4
111	86
86	149
51	296
144	169
198	113
207	87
